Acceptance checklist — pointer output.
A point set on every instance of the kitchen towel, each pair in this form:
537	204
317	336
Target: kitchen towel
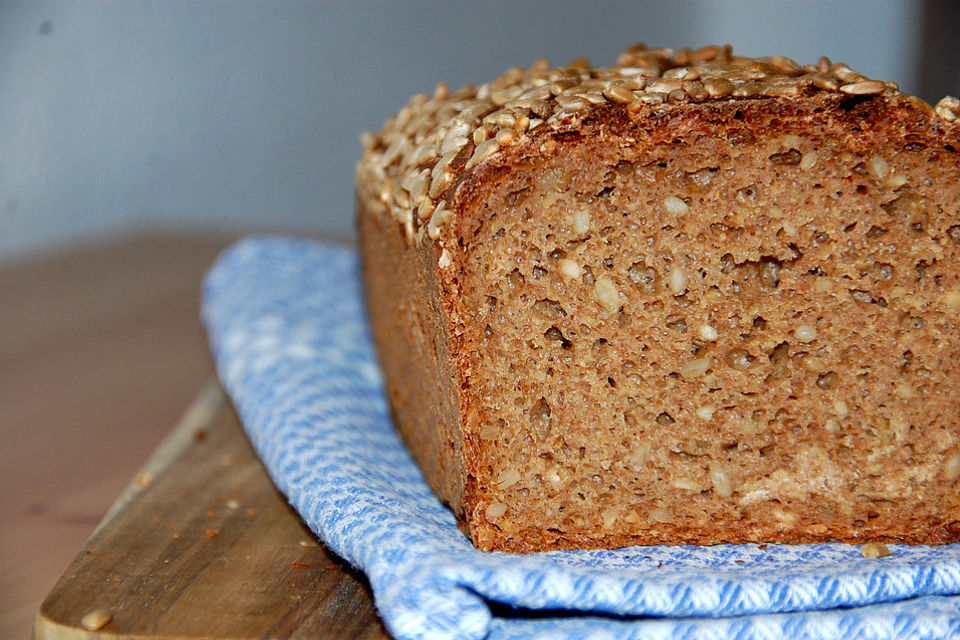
287	326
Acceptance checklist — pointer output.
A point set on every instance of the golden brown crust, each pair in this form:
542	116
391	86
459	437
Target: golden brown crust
468	205
407	318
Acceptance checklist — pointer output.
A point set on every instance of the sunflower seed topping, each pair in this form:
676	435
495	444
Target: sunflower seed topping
948	109
864	88
415	163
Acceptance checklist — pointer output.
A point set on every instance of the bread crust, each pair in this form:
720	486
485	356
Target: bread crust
408	316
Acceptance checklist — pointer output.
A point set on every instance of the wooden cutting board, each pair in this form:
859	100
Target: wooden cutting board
202	545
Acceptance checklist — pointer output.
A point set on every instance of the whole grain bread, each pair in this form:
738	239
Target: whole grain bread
690	298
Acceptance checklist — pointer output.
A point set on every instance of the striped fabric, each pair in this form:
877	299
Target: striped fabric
287	327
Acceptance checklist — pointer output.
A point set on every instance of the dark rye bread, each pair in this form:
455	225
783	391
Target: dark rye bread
693	298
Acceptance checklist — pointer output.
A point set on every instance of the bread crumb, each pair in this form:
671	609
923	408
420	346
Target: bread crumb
875	550
96	620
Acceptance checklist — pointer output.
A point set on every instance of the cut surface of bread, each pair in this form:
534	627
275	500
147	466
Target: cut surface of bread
693	298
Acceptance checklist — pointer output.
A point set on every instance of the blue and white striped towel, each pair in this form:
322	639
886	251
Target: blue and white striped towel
287	327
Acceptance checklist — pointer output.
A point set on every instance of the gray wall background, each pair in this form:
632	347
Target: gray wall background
117	116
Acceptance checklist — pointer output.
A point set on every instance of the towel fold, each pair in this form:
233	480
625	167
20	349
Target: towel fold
288	330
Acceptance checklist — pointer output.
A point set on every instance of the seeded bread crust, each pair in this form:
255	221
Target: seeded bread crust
693	298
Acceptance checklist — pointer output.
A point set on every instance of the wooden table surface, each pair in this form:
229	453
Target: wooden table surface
101	351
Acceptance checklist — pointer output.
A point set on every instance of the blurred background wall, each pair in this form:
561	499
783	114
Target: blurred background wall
146	114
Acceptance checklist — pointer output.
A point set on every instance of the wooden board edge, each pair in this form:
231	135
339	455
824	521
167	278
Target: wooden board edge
209	401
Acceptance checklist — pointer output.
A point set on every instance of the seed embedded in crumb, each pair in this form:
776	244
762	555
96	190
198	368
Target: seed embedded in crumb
708	332
496	510
607	294
675	206
686	484
951	468
784	518
895	181
678	281
721	483
805	333
952	299
609	516
875	550
640	455
905	391
878	167
706	412
712	296
662	516
840	408
96	620
751	428
581	221
695	368
569	269
808	160
508	478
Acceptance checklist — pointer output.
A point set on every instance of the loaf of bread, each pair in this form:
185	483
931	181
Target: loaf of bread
690	298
